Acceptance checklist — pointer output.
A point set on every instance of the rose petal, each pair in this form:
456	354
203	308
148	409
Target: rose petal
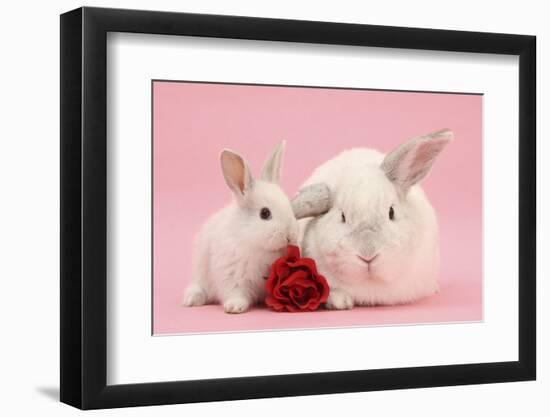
314	302
304	263
297	299
298	278
281	306
274	304
310	296
292	309
304	282
271	283
298	292
280	292
283	271
324	288
293	253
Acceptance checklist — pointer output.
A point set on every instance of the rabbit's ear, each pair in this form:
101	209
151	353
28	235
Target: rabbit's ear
312	200
271	172
236	172
410	162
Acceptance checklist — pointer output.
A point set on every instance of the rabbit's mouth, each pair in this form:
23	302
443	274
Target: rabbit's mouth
280	241
277	244
367	261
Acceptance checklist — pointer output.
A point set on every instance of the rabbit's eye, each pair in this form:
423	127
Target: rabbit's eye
343	217
265	213
392	213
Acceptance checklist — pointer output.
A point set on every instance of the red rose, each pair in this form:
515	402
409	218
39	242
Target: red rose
294	284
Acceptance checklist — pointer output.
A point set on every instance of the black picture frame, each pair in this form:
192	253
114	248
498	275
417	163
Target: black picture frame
84	207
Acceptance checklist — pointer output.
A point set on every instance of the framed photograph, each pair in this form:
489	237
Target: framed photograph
258	207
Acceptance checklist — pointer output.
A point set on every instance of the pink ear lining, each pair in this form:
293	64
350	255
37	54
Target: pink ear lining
423	158
411	162
235	171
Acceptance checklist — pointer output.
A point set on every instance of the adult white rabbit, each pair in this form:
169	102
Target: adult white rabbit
236	246
374	234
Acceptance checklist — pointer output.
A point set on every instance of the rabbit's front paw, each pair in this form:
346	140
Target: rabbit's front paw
235	305
339	300
194	296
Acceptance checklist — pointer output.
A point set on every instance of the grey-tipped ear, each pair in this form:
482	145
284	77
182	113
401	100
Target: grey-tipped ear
410	162
236	172
312	200
271	172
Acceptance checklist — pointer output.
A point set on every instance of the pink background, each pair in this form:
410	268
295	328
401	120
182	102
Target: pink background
193	122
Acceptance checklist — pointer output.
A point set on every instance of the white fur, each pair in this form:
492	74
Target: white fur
364	184
235	248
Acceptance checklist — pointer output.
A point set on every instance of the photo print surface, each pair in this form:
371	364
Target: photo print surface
291	207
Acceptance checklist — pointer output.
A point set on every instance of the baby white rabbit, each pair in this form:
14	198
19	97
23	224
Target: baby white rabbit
235	248
374	235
